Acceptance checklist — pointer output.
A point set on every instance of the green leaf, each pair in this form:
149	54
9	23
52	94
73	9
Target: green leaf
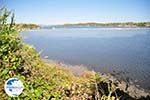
4	72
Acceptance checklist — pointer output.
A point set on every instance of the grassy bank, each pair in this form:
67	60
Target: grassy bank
46	81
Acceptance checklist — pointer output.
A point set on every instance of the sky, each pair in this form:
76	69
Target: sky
51	12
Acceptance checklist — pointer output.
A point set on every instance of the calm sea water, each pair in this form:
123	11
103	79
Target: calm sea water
125	52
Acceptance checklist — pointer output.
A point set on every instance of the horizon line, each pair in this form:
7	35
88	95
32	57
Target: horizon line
86	22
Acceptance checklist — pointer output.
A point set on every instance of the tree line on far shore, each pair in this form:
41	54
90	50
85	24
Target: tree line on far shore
125	24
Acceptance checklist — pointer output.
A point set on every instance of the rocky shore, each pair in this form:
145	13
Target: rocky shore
129	90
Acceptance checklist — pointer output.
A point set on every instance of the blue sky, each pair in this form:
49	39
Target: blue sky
74	11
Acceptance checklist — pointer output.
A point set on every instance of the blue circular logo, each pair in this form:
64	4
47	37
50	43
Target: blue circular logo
13	87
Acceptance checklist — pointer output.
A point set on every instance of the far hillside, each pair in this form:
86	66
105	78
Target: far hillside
126	24
27	26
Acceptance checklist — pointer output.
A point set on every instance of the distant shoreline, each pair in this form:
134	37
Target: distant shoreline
129	25
123	24
87	28
126	25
